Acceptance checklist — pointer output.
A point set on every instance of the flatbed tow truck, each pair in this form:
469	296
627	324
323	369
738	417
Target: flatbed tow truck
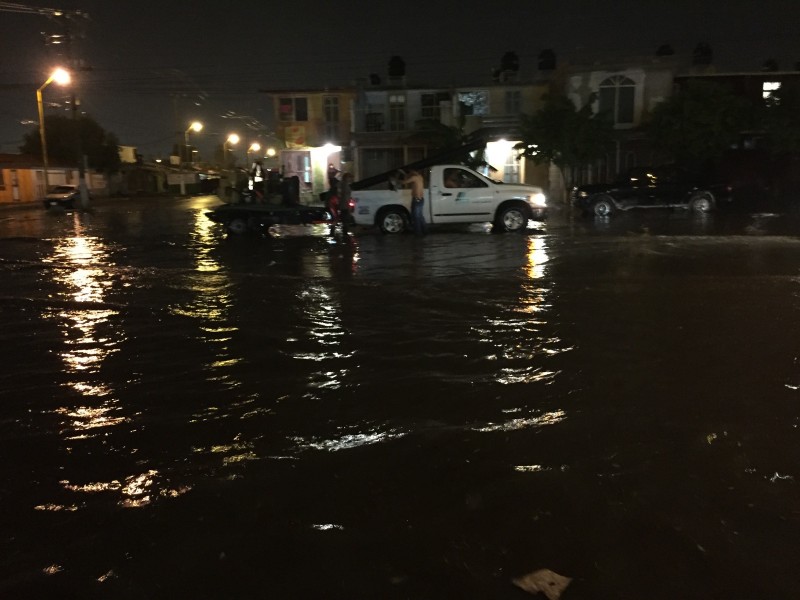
241	218
255	212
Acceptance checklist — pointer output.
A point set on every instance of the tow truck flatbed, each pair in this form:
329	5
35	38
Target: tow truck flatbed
241	218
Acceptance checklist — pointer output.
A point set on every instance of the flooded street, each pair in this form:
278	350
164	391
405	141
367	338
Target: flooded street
187	415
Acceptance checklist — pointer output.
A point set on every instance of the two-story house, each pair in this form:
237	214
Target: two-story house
390	122
627	91
375	127
315	126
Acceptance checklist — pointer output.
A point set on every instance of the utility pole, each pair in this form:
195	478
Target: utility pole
71	27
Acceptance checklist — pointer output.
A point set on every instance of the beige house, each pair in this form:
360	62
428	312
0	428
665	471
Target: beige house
22	179
315	127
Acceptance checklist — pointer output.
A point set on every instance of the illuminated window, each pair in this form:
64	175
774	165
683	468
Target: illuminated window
768	90
617	98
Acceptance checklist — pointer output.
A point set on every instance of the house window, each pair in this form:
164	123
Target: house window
293	109
513	102
397	112
511	169
616	98
431	103
330	105
768	89
2	181
374	121
474	103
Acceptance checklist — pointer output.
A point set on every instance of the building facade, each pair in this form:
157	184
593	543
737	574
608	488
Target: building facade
315	127
375	127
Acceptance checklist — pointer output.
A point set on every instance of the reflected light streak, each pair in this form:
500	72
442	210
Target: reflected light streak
537	257
322	313
549	418
349	441
211	302
135	491
88	417
86	285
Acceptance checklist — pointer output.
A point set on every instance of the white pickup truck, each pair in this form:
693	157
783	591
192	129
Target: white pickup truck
453	194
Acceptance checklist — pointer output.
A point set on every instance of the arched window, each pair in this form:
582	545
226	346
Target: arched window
616	98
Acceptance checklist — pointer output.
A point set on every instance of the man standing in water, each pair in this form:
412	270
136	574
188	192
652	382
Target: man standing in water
343	206
413	180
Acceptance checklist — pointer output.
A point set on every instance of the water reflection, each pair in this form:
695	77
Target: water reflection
348	441
135	491
549	418
322	340
82	267
211	303
515	330
84	271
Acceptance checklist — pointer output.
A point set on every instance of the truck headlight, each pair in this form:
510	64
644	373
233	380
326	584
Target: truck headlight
537	199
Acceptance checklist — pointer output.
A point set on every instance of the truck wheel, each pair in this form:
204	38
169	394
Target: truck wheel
513	218
392	220
237	226
702	202
603	206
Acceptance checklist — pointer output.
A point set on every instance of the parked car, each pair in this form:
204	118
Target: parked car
650	187
64	196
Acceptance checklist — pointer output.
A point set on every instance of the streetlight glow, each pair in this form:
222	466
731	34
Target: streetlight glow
193	126
61	77
232	139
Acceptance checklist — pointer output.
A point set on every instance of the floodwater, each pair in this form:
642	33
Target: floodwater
187	415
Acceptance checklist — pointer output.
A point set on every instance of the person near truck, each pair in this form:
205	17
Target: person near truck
341	203
413	181
333	181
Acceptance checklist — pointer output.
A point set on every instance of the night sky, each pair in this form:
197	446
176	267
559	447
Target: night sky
156	66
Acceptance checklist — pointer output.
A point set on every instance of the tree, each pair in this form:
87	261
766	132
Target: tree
568	137
440	139
63	134
696	125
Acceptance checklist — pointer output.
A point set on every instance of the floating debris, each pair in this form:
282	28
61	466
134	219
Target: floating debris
550	583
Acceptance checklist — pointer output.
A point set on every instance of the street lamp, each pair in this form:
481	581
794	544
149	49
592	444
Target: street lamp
233	139
254	147
194	126
61	77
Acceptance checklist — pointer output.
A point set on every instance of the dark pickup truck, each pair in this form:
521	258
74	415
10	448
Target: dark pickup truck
651	187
